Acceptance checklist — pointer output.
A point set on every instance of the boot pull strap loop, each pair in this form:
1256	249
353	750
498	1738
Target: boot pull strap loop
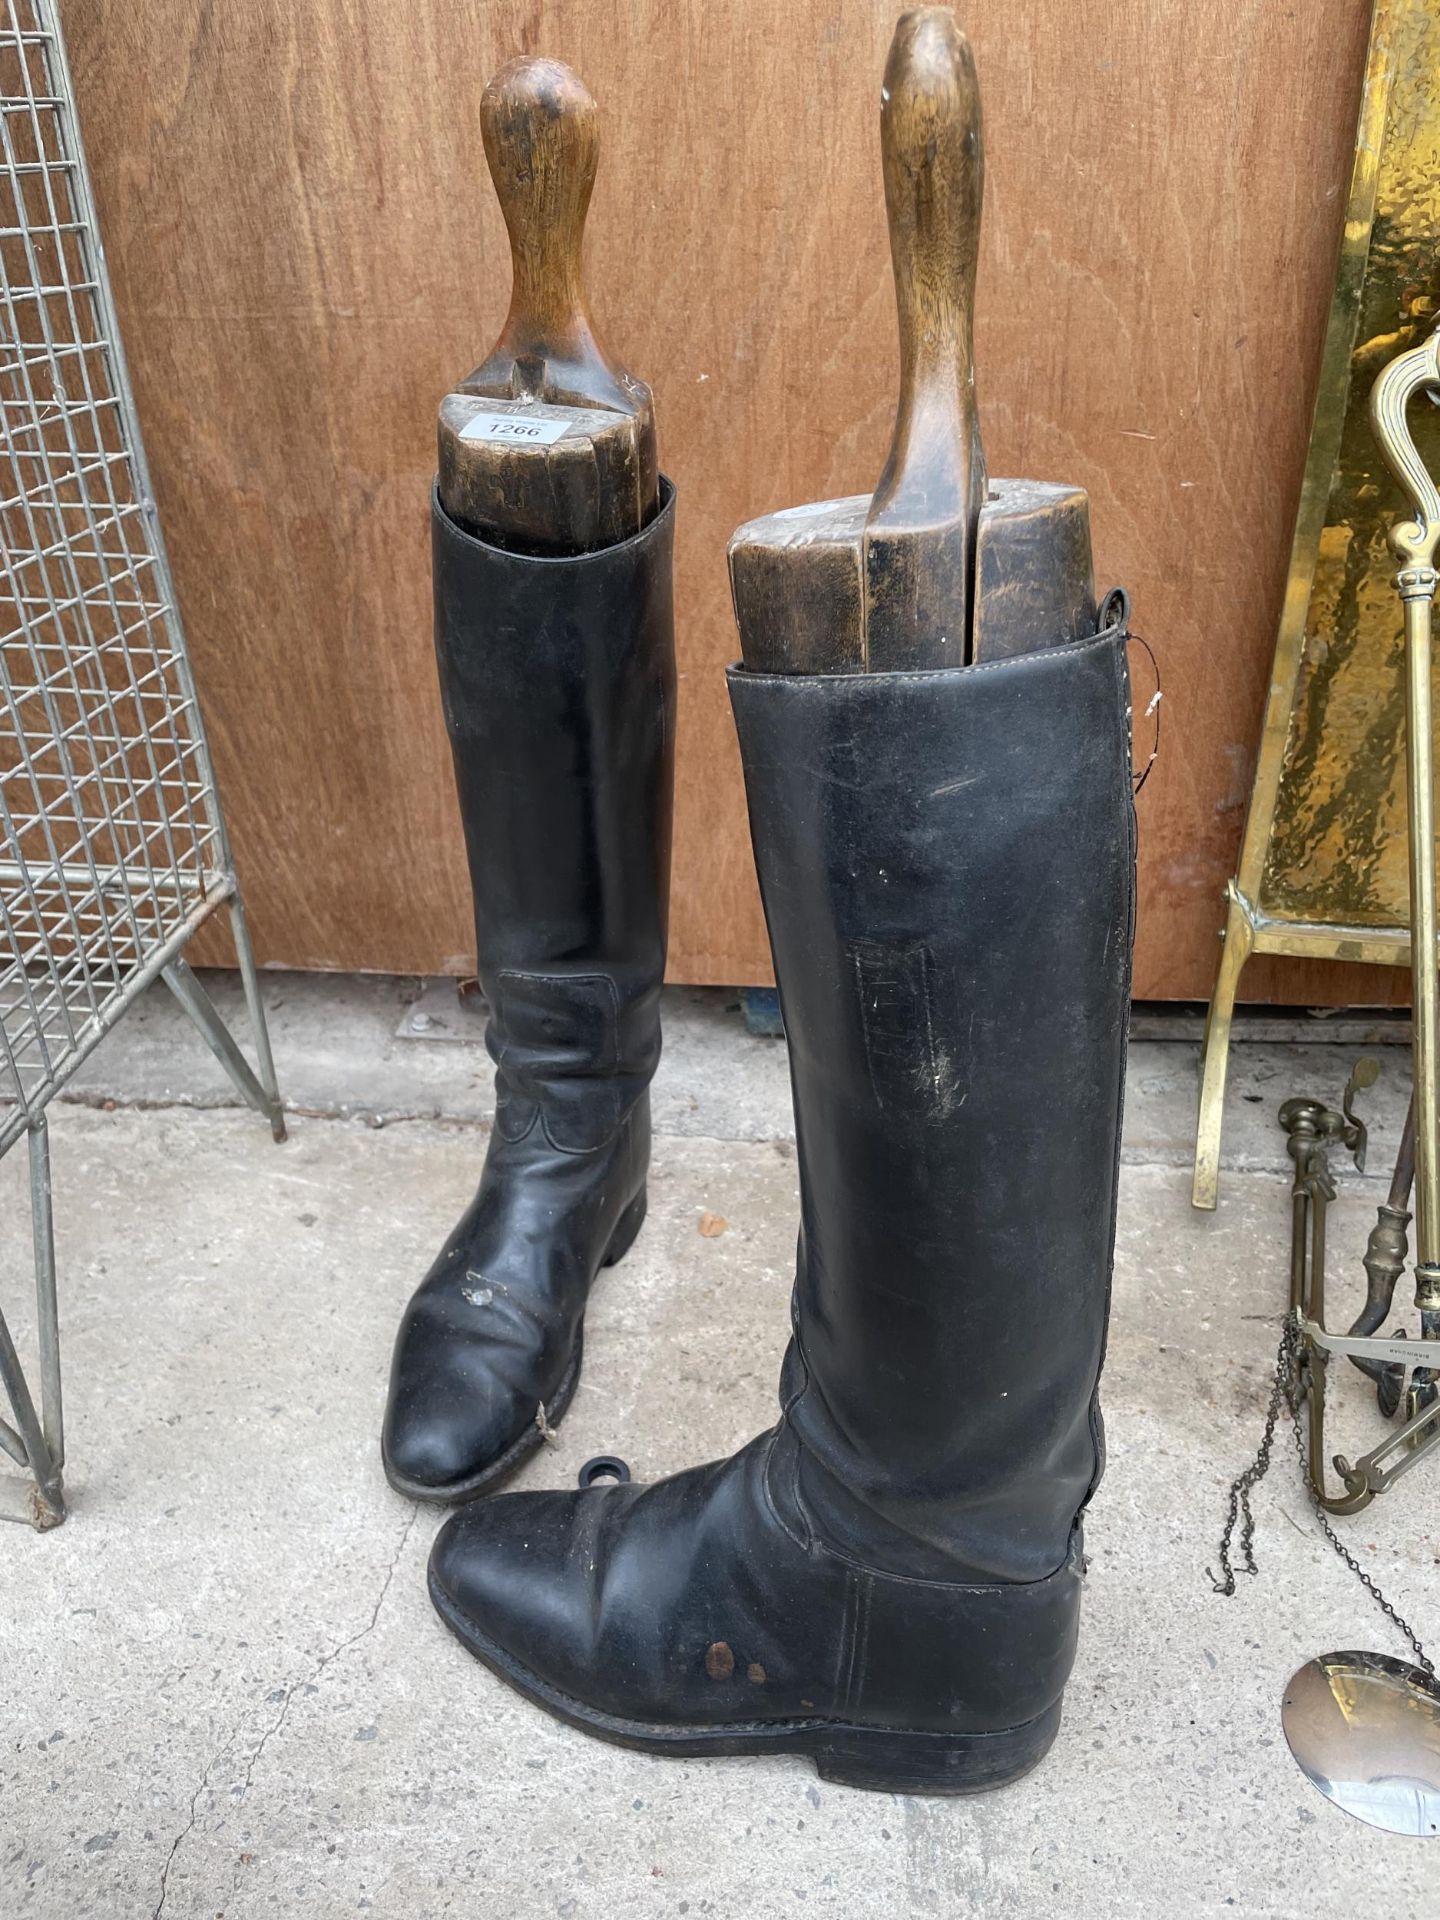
602	1470
1115	613
1152	706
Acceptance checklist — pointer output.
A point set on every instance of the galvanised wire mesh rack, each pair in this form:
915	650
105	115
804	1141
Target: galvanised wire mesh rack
112	843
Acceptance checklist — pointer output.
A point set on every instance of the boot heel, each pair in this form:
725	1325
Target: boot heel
626	1228
893	1762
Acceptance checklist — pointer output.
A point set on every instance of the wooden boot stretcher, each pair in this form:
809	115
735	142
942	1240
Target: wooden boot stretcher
548	447
938	568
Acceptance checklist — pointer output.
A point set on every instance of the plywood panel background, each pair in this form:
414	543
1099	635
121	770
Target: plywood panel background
306	254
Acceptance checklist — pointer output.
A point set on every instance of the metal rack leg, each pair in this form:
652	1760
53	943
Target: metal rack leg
36	1441
37	1444
47	1306
221	1042
255	1006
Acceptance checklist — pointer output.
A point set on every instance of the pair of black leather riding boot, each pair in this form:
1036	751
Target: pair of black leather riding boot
888	1580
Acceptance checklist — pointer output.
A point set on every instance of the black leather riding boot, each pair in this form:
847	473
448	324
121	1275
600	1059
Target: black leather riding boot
558	683
889	1581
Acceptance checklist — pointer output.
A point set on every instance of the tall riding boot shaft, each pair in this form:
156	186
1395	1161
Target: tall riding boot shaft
946	865
557	678
890	1580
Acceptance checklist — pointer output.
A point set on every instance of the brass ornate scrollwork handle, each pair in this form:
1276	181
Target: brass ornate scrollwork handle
1412	541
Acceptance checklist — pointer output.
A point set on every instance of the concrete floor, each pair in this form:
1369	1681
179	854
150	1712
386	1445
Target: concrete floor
225	1692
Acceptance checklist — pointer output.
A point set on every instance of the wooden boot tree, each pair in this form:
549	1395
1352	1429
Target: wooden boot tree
549	446
937	568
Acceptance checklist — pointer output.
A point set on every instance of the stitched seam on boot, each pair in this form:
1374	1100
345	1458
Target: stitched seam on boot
786	1410
773	1504
845	1646
1071	1560
1097	1424
820	682
595	1146
607	1060
512	1131
860	1642
862	1664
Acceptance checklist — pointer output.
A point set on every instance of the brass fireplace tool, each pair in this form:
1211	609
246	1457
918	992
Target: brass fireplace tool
1365	1728
1405	1384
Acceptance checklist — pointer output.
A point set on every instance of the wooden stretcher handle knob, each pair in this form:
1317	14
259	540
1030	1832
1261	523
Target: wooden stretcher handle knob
542	142
928	501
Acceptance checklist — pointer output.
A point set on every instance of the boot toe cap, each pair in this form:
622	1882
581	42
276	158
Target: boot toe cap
458	1405
434	1454
512	1577
434	1441
650	1604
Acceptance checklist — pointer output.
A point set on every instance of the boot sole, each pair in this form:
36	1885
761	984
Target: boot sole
880	1759
460	1492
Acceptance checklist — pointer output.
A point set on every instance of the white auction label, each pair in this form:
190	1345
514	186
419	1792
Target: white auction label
514	426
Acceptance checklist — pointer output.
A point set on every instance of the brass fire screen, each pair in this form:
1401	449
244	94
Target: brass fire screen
1323	864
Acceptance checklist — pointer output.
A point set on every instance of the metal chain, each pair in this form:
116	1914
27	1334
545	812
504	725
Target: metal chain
1422	1659
1239	1512
1288	1391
